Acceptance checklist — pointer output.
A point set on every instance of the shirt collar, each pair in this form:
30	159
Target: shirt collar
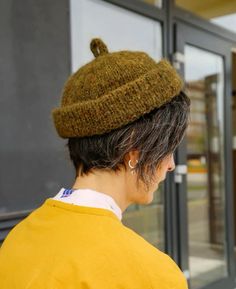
89	198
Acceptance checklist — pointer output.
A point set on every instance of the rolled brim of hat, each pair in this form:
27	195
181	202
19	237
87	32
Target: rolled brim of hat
121	106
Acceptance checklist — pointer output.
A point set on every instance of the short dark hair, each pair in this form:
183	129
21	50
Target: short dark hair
155	135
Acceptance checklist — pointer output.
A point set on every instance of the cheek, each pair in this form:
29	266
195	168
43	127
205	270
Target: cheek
161	172
162	169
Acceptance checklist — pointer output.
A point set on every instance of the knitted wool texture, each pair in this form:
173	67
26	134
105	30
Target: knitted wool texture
113	90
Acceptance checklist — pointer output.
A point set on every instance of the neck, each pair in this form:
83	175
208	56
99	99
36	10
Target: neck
110	184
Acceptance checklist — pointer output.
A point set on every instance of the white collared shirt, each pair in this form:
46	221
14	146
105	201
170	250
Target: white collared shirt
88	198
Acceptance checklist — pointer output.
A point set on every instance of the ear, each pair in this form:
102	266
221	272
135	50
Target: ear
133	156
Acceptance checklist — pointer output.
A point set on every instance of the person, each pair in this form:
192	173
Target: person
123	115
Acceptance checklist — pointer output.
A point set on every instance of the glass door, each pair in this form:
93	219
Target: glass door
208	255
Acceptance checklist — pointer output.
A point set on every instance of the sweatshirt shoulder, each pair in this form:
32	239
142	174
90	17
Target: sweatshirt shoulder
160	267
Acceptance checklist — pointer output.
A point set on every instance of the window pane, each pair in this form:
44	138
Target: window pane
148	220
141	33
87	21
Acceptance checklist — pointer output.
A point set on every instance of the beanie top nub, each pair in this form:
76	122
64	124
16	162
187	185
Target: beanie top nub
98	47
113	90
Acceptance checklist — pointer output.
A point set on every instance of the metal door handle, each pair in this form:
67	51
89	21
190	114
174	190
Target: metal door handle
180	170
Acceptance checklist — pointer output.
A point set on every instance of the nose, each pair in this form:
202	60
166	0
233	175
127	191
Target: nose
171	166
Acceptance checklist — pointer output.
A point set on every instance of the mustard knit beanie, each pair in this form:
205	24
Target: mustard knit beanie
113	90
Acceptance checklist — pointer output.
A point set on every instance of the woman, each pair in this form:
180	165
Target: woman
123	115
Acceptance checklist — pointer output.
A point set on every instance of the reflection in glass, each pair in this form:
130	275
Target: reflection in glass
222	13
148	220
205	159
157	3
226	21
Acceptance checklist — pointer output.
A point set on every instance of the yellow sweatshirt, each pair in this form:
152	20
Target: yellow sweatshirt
66	246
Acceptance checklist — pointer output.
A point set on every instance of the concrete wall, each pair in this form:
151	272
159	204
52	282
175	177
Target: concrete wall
34	63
